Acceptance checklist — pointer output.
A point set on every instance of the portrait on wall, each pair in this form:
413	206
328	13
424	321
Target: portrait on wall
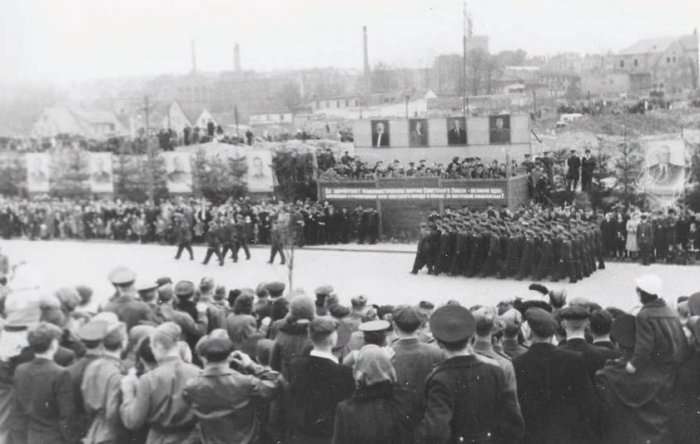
418	135
100	166
178	172
260	173
499	130
380	133
38	172
456	131
664	170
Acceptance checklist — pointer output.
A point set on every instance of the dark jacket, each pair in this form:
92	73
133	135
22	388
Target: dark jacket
379	414
316	386
413	361
593	356
44	404
291	342
556	396
468	400
130	311
685	417
660	342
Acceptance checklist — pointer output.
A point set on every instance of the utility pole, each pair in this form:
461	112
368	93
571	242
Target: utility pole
464	59
149	151
235	114
407	98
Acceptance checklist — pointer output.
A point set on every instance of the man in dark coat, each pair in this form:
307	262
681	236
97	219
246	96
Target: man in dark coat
184	236
573	173
424	254
556	396
317	383
214	237
645	239
467	399
575	322
685	419
588	165
44	399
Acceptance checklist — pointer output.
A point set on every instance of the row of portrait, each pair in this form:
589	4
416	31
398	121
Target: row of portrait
178	172
456	131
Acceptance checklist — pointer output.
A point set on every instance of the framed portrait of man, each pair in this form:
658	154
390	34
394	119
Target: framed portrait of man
260	172
664	170
499	130
380	133
38	172
178	171
101	172
456	131
418	132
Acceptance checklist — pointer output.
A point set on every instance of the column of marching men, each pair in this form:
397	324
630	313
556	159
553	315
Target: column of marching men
179	362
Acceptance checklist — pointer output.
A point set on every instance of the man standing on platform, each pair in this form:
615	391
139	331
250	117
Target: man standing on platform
573	174
588	165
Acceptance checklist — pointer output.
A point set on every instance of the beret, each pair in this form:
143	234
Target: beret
374	326
184	289
624	330
339	311
121	276
93	330
541	322
452	323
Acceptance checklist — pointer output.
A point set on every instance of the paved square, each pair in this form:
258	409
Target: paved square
381	274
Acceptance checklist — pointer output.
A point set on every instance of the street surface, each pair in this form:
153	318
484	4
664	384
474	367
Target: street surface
381	272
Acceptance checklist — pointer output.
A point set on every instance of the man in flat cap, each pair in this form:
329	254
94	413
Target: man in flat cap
225	400
413	359
322	293
317	383
467	400
126	305
575	322
555	393
156	397
100	388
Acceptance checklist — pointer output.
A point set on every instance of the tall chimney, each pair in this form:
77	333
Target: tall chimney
237	58
194	56
367	74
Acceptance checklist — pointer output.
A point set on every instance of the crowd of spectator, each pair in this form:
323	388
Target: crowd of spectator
177	361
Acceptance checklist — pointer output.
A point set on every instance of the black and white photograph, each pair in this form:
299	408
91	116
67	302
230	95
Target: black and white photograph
349	222
499	130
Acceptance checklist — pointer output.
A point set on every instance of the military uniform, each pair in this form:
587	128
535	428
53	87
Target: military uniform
214	237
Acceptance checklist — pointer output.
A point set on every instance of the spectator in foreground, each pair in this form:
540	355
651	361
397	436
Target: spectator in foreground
380	411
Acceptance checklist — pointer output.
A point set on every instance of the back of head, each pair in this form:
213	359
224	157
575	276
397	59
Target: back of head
600	322
302	307
373	366
166	336
243	304
321	329
408	319
42	336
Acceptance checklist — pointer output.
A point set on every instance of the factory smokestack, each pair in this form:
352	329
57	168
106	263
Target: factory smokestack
194	56
237	58
367	74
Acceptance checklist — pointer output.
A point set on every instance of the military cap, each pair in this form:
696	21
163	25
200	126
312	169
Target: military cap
122	276
93	330
624	330
184	289
114	334
408	318
374	326
215	345
541	322
452	323
275	288
324	290
574	313
694	304
145	286
163	281
106	316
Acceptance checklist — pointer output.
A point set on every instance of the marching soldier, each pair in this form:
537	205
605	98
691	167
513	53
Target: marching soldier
184	236
214	236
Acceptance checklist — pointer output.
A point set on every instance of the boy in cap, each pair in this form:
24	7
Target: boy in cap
225	400
156	397
555	393
413	359
467	400
317	383
44	401
100	388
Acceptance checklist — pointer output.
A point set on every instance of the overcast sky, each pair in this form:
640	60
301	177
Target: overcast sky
69	40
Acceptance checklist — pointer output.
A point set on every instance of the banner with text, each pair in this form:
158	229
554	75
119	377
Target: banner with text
454	193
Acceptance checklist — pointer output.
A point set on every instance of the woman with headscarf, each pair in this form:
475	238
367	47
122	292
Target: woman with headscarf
380	411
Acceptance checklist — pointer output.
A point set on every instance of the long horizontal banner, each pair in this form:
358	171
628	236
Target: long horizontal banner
414	193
